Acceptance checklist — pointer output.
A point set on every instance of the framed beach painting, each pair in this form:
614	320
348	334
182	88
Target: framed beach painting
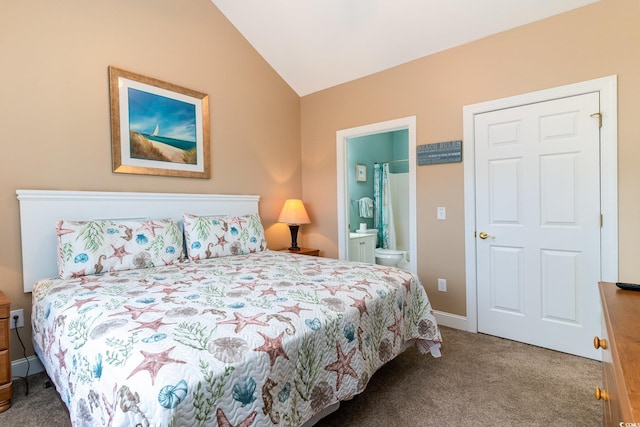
361	172
158	128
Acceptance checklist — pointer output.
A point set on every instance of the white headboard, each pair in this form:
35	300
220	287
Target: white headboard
40	210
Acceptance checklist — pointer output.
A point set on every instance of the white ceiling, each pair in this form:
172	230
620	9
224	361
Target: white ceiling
317	44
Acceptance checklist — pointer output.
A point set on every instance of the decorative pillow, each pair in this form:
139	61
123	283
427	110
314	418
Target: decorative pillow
93	247
219	236
246	234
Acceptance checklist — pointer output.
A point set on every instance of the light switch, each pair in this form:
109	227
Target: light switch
442	213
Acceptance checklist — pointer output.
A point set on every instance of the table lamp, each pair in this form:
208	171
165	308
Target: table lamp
294	214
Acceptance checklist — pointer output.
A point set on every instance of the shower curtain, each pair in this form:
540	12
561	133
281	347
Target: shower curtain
383	220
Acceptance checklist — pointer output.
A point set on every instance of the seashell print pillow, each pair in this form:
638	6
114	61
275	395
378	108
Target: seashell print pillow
94	247
220	236
246	234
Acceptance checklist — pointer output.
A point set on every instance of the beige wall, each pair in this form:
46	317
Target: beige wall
595	41
54	108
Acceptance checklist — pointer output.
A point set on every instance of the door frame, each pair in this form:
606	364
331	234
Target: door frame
607	87
342	137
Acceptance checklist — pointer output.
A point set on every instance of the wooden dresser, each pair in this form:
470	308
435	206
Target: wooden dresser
5	355
620	344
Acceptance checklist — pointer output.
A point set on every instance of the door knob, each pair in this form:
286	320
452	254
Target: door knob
483	235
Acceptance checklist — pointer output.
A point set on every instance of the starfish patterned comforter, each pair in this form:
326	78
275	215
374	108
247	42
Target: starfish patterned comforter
262	339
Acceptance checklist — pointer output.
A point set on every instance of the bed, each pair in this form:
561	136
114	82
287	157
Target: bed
205	326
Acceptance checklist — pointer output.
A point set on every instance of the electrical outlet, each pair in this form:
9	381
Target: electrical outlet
20	314
441	213
442	285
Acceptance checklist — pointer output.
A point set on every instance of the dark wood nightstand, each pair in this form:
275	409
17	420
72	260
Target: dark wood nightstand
303	251
6	384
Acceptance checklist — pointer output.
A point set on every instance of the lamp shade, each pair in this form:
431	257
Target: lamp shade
293	212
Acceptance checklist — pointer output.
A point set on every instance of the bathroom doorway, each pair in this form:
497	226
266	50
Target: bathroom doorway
358	149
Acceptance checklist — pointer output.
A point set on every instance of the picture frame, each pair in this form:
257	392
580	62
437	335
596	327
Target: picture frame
361	172
158	128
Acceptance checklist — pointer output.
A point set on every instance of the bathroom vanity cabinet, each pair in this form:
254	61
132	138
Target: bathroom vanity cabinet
362	247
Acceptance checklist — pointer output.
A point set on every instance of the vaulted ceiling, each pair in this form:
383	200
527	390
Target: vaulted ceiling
317	44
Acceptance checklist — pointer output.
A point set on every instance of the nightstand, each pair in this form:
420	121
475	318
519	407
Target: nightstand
5	354
303	251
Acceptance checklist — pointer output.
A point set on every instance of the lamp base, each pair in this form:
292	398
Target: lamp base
294	237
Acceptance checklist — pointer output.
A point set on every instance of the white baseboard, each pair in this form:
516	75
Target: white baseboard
19	367
454	321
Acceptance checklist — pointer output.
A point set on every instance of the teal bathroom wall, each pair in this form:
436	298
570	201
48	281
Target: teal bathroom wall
367	150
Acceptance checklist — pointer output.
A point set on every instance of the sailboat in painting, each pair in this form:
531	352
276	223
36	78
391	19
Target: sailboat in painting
155	132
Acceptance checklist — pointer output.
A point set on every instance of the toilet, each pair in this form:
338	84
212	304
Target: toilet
388	257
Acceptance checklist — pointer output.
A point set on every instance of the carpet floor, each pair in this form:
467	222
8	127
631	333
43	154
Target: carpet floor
480	380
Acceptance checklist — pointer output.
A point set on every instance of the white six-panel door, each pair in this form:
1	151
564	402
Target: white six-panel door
538	207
